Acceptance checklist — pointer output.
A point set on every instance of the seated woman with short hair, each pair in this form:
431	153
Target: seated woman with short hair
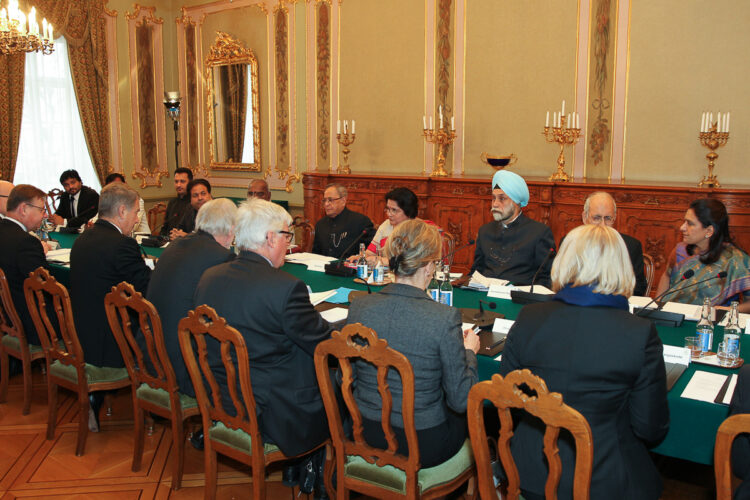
707	249
606	363
429	335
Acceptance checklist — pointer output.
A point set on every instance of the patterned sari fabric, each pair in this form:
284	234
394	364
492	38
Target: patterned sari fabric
733	261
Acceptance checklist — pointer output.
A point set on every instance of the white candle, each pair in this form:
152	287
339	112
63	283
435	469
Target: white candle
718	122
453	123
338	127
3	17
570	123
441	120
440	110
578	123
710	121
424	122
703	122
726	122
50	32
728	118
346	126
352	127
562	113
22	23
546	122
430	122
44	28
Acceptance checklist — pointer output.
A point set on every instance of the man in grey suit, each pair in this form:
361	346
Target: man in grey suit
179	269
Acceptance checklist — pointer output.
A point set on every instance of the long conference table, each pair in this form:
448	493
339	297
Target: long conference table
693	424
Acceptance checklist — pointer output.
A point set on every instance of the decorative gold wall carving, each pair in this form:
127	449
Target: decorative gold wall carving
282	89
601	84
323	82
444	67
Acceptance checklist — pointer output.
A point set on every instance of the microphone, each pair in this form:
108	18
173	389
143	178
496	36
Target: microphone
480	313
337	268
668	318
550	253
453	252
720	275
362	280
688	274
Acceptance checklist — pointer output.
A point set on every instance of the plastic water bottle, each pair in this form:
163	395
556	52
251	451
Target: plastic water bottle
732	332
705	328
433	289
362	271
446	289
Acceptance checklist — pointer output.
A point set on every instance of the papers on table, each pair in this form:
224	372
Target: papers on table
641	302
710	387
675	354
341	296
482	283
440	276
503	292
318	297
743	321
502	325
335	314
61	256
691	311
314	262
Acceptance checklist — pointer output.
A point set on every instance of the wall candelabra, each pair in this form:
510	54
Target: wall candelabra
564	131
346	139
713	135
442	138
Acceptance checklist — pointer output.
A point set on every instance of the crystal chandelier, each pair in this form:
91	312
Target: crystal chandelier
20	33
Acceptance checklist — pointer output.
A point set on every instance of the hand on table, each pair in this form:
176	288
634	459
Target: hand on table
471	340
57	220
176	233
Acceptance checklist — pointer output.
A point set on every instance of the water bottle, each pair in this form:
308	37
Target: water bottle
705	328
446	289
732	332
362	271
433	289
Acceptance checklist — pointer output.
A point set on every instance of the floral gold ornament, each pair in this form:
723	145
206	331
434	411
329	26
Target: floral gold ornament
442	138
346	139
19	32
564	131
713	135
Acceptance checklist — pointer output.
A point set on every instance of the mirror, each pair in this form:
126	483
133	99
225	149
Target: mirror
231	76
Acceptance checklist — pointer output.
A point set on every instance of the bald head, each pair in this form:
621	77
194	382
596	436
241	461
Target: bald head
5	189
599	208
258	188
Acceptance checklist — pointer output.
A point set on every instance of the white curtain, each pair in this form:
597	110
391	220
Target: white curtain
51	134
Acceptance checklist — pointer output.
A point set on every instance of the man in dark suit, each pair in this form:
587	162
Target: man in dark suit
179	269
199	192
177	207
272	311
78	203
20	252
600	208
102	257
336	232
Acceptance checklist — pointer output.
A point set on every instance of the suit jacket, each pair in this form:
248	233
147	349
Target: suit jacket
20	254
272	311
334	235
429	335
176	209
172	286
741	446
88	206
608	365
101	258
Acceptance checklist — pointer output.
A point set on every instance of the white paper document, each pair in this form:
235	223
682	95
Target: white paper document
638	301
742	320
483	283
540	289
675	354
335	314
500	291
502	325
313	261
61	255
691	311
318	297
704	386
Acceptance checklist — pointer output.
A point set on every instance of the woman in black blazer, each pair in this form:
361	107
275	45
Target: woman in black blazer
607	364
429	335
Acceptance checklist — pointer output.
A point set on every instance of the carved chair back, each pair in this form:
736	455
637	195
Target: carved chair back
728	430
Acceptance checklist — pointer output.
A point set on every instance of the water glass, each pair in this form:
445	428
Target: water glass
693	343
727	353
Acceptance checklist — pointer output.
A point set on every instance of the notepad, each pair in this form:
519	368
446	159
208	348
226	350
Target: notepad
335	314
704	386
318	297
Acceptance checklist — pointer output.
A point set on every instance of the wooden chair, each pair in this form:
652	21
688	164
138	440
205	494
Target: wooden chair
14	343
506	395
52	200
237	436
304	233
152	377
66	366
155	217
449	247
361	467
728	430
648	270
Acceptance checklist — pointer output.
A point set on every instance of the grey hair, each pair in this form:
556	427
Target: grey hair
115	195
254	219
587	203
340	189
216	217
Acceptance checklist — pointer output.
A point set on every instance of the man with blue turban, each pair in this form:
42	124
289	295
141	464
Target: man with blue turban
513	247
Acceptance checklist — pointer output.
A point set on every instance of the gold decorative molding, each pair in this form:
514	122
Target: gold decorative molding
137	14
323	81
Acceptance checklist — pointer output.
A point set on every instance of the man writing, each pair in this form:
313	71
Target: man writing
336	232
78	203
177	207
513	247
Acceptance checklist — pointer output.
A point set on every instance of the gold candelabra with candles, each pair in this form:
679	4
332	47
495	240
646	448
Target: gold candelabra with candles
564	131
442	138
713	135
19	33
346	139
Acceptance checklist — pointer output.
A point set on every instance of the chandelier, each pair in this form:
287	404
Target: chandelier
20	33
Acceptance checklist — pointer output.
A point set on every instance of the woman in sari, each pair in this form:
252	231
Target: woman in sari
706	250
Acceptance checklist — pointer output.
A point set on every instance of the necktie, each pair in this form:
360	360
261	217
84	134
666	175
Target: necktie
72	207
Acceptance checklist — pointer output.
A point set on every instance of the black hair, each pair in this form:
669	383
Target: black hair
195	182
114	176
187	171
70	174
405	199
711	212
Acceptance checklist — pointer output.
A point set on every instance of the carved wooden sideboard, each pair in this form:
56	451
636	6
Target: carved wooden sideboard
651	213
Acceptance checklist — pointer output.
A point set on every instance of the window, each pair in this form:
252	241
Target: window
51	134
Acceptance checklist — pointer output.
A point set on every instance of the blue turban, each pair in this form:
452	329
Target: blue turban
512	185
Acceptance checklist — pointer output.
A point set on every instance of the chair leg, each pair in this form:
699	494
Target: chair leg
139	435
4	374
83	421
26	362
328	467
178	441
259	480
52	410
209	456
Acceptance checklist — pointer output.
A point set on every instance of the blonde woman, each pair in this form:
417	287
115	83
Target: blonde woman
606	362
429	335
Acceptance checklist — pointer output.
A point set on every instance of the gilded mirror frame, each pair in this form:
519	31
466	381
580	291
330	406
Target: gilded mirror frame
227	50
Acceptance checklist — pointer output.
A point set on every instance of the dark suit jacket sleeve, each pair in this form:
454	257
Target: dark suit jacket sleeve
478	264
543	245
649	412
317	245
301	322
31	256
741	446
459	365
130	263
635	249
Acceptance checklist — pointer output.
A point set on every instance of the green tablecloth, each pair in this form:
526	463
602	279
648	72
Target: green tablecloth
693	424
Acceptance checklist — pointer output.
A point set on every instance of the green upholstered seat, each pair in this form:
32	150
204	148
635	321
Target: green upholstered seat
161	397
395	479
94	374
14	344
236	438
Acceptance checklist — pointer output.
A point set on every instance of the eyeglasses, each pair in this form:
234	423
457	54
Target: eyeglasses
606	218
331	200
41	209
289	235
256	194
391	210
